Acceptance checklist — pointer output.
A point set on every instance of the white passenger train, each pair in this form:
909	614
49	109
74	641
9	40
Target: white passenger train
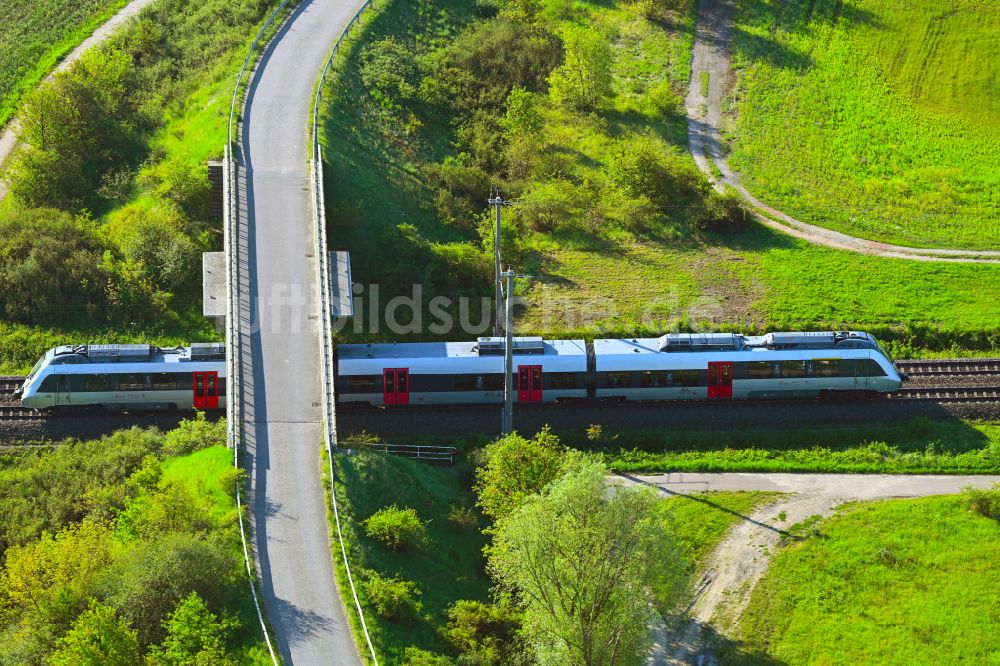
128	377
677	366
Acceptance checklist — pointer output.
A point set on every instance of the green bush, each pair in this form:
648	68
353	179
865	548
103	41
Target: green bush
513	467
982	501
725	213
399	529
393	599
484	633
417	657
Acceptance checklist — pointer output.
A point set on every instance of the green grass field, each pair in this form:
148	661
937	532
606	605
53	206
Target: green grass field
919	446
876	119
615	281
35	34
896	582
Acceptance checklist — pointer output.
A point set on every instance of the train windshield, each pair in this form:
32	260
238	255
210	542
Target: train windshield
38	366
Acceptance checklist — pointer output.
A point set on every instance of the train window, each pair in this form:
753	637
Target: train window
793	368
163	381
654	378
561	380
494	382
683	378
131	382
827	367
95	383
49	384
199	385
363	384
403	383
619	380
468	382
760	370
874	369
222	386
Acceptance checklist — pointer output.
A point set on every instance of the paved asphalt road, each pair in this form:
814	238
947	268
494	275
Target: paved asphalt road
280	341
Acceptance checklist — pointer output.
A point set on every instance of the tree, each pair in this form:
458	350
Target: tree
590	568
195	636
584	79
97	638
513	468
522	115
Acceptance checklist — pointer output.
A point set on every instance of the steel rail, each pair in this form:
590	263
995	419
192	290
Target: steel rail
326	322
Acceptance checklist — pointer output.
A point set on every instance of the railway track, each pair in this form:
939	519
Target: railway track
960	366
14	413
10	384
949	394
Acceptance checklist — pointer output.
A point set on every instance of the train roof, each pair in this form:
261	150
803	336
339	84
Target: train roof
523	346
734	342
486	355
135	353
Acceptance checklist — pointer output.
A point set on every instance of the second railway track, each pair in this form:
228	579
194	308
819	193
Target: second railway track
944	367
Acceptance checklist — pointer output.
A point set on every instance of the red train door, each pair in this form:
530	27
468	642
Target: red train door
396	386
206	390
529	383
720	380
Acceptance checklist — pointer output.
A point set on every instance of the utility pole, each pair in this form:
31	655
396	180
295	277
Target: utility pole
508	356
497	202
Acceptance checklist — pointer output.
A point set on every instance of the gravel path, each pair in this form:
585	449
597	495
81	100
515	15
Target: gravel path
711	54
8	139
738	563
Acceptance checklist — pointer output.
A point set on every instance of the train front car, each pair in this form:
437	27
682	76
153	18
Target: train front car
457	373
724	366
127	377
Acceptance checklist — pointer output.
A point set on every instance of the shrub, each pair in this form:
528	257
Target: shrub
483	633
463	517
393	599
664	99
417	657
985	502
515	467
399	529
388	71
725	213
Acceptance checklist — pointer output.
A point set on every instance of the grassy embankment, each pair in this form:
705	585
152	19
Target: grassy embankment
406	158
35	34
134	522
876	119
137	200
919	446
894	582
449	567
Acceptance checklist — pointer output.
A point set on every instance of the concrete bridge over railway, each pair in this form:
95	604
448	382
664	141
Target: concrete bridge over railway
277	244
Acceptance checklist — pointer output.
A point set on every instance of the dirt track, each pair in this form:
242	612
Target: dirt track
711	54
738	563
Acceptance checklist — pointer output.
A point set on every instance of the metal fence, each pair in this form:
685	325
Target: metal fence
424	452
